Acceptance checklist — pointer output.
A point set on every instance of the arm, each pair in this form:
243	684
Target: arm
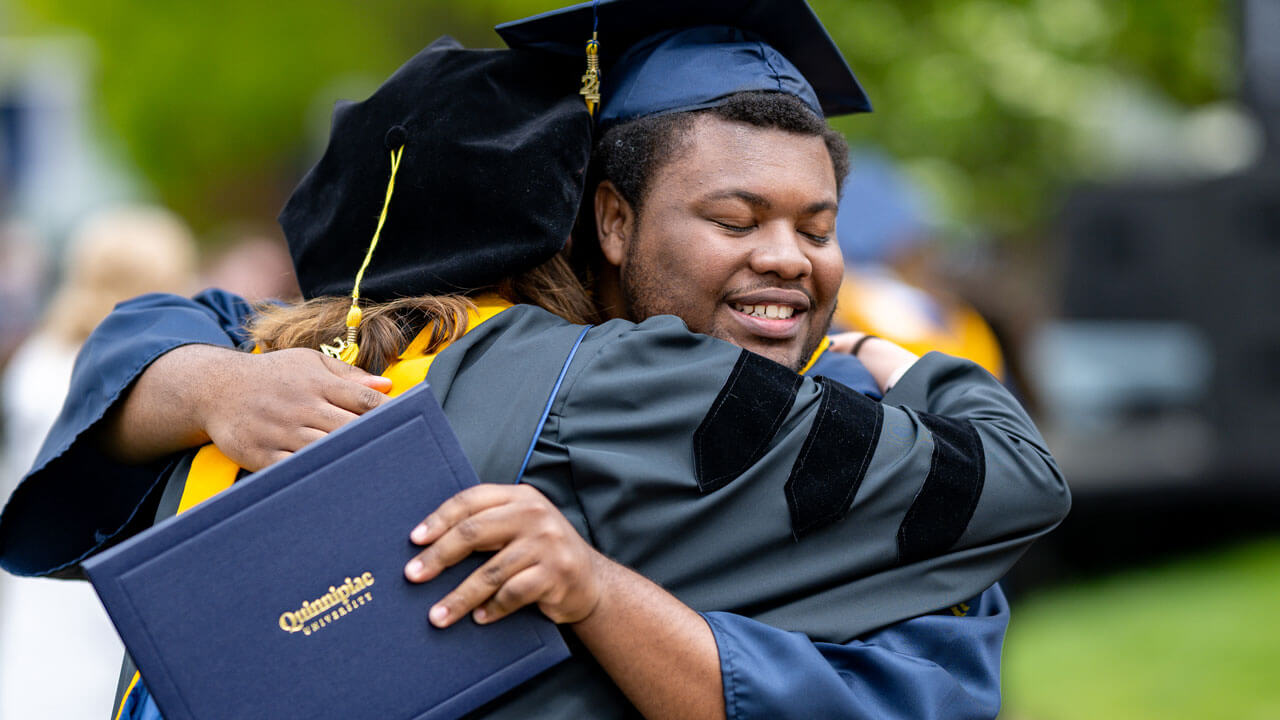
933	666
127	401
75	500
258	409
672	663
886	361
667	467
660	653
662	656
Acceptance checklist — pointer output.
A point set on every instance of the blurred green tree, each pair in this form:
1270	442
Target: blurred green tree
988	101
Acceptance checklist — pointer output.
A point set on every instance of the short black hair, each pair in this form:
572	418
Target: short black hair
630	154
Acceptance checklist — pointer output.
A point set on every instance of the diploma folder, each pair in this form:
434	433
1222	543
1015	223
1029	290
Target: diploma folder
284	596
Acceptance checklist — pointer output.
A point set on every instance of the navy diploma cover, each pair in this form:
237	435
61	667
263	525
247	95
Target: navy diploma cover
284	596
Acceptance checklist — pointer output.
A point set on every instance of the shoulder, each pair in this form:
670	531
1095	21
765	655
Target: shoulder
662	344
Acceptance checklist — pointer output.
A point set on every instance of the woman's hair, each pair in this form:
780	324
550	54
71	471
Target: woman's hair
387	328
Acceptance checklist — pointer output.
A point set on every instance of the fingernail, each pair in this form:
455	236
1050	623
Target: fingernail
438	615
480	615
419	534
413	568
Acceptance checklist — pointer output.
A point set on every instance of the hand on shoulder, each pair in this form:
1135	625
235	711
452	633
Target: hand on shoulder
259	409
885	360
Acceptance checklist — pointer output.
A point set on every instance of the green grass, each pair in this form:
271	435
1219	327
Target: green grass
1196	639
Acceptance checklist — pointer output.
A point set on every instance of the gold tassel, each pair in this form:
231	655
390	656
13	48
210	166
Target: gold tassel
591	79
347	350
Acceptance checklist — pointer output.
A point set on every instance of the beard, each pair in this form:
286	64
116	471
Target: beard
648	290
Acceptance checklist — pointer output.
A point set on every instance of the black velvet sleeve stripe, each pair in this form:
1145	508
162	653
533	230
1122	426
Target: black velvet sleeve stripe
833	459
945	504
743	419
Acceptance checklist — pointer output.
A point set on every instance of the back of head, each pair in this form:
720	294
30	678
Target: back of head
462	173
493	148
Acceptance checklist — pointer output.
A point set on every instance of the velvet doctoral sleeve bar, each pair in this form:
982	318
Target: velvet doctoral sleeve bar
799	503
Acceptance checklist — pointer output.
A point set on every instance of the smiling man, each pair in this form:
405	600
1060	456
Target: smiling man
728	222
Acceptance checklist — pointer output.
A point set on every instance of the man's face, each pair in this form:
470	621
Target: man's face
737	236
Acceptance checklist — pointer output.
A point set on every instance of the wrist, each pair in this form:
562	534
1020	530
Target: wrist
860	342
197	373
604	576
885	360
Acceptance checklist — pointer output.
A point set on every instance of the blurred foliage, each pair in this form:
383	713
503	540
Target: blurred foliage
988	101
994	104
1192	640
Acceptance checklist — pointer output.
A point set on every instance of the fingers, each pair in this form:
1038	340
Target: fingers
457	508
504	584
353	397
271	405
355	374
478	518
325	418
376	382
338	393
490	529
541	558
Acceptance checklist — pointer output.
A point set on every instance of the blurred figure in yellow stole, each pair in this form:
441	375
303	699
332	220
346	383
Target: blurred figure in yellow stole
883	217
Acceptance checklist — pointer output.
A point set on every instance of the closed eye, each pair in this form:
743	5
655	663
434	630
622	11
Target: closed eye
734	228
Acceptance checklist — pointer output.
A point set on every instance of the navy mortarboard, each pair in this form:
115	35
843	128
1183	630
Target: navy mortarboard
661	56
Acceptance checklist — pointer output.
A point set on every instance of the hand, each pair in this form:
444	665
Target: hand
256	408
259	409
540	557
844	342
885	360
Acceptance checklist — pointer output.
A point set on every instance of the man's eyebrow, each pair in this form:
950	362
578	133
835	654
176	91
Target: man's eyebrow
749	198
822	206
763	203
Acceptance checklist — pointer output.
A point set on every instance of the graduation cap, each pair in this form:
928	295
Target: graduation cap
662	56
465	167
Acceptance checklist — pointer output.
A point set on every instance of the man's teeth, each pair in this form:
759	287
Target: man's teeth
780	312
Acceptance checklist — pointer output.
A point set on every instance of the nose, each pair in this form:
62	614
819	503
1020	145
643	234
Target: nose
780	251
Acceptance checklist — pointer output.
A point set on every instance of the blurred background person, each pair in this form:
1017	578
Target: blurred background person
24	265
888	232
59	655
254	265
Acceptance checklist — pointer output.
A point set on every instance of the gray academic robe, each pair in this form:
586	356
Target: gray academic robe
733	482
812	508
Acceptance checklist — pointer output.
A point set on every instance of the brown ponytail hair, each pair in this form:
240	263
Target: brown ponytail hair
387	328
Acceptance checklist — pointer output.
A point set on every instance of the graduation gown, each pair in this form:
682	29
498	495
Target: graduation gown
734	483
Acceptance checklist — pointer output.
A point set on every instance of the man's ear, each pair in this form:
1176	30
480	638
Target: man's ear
615	222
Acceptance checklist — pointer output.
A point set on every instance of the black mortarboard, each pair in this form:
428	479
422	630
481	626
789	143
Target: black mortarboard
661	56
495	145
